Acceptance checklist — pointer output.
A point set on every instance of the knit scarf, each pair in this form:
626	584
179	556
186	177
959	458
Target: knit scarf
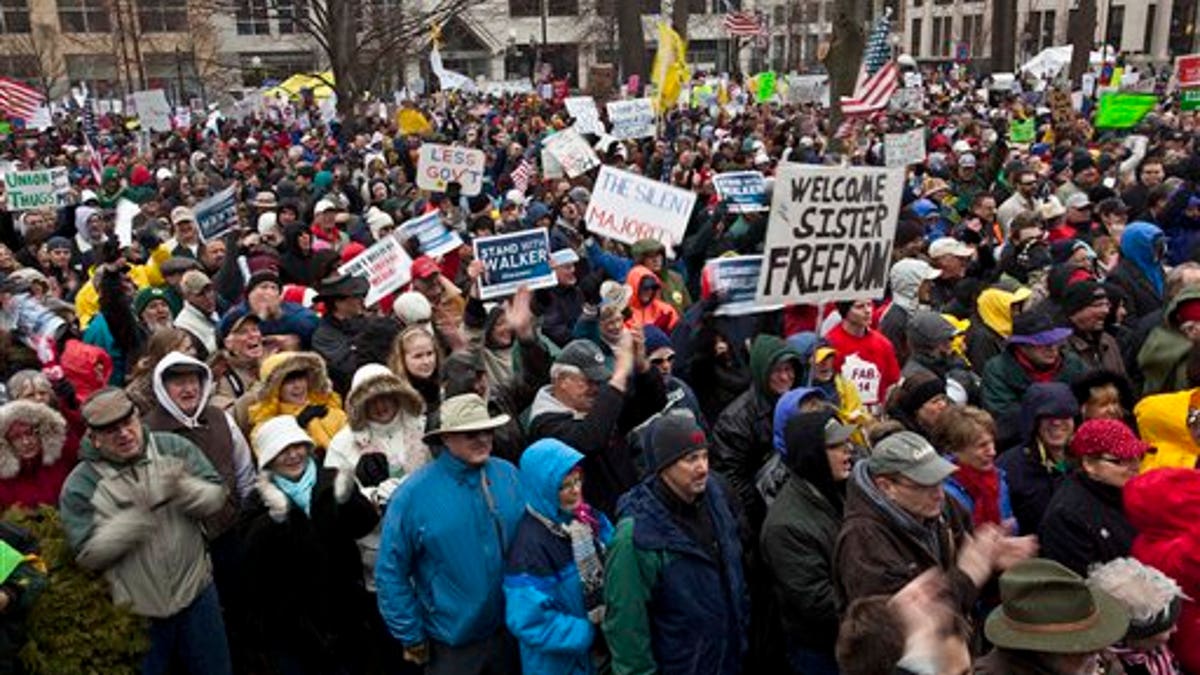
1157	661
1038	373
984	489
588	560
300	490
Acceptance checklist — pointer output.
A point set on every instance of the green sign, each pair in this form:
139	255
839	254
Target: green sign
1121	110
1190	100
766	85
1022	131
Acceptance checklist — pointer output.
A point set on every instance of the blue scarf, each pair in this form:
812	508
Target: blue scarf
299	491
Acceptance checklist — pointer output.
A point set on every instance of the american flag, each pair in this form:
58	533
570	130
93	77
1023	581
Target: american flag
94	162
18	99
743	24
878	77
88	119
522	174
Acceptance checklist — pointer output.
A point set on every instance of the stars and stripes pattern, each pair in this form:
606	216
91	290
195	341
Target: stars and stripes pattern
743	24
19	100
522	174
878	77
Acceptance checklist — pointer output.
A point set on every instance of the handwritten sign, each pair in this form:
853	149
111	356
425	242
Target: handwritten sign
514	260
628	207
631	119
587	117
433	236
550	166
736	279
218	213
152	109
572	152
386	266
45	188
439	165
829	237
907	100
904	148
1187	71
1122	111
742	191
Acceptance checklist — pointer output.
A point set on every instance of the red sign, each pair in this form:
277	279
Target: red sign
1187	71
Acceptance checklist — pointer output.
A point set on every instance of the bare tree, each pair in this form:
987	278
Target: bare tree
679	18
1081	32
37	46
633	41
845	53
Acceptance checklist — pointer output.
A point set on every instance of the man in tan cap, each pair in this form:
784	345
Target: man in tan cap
199	314
132	509
185	240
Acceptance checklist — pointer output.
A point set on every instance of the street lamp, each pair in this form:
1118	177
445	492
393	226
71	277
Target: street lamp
256	63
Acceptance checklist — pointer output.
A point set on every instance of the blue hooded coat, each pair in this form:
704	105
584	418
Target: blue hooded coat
544	597
1139	273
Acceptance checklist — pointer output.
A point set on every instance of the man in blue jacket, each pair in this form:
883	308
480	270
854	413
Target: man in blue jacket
441	559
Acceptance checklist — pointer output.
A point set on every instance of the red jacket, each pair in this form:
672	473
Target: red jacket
880	370
1164	506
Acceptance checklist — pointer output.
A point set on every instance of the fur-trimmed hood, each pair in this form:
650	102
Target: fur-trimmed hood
374	380
50	427
276	368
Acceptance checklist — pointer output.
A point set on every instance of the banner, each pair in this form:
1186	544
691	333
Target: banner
1187	71
218	213
434	237
572	152
628	207
905	148
742	191
41	189
587	117
736	278
513	260
439	165
153	110
631	119
830	234
386	266
1119	110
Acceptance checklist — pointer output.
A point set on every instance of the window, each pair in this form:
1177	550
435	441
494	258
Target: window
941	36
1112	32
698	6
534	7
562	7
778	17
603	7
84	16
524	7
778	52
291	13
972	33
14	16
22	67
98	71
251	18
1047	30
1151	17
163	16
811	45
828	12
914	48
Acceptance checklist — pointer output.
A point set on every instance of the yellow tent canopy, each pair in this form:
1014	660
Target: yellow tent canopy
292	86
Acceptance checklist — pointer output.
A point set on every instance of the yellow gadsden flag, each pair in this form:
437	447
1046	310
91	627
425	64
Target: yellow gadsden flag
670	70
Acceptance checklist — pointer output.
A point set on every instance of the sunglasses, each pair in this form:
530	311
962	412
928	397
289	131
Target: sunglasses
658	361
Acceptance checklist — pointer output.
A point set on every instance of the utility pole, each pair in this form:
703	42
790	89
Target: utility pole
179	76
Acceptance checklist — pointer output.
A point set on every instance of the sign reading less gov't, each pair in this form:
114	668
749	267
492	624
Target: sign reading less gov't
439	165
830	234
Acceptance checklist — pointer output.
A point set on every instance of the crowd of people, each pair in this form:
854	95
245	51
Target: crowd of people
991	469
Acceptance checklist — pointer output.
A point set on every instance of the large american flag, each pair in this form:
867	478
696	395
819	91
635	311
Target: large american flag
878	77
741	24
18	99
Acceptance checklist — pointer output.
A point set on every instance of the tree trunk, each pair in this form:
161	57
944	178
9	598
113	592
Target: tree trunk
679	18
845	55
1082	34
1004	36
342	61
632	42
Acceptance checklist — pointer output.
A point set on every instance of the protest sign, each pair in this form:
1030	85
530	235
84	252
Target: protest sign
123	221
913	80
1119	110
572	152
736	279
1021	131
1189	99
434	237
830	234
41	119
742	191
152	109
550	166
587	117
439	165
44	188
386	266
631	119
1187	71
217	213
904	148
513	260
907	100
628	207
808	89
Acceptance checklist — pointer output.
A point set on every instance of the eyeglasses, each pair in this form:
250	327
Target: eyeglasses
571	484
1028	183
1120	461
660	360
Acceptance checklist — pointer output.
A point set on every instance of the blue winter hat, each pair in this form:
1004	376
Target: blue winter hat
924	208
655	339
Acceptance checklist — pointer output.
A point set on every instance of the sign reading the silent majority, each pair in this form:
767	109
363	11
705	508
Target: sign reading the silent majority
386	266
572	152
1187	71
631	119
830	234
628	207
439	165
45	188
736	279
513	260
742	191
218	213
433	236
587	117
904	148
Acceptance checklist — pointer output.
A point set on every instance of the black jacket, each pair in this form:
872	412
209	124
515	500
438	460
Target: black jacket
1084	524
334	341
560	307
1143	299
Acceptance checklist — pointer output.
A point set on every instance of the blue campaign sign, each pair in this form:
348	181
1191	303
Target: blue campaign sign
514	260
736	278
435	238
218	213
742	191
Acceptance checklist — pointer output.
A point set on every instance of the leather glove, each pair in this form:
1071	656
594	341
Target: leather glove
311	413
372	469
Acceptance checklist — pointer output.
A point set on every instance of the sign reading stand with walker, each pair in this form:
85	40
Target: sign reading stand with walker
513	260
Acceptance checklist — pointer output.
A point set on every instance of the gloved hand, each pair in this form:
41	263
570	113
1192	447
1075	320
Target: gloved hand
372	469
311	413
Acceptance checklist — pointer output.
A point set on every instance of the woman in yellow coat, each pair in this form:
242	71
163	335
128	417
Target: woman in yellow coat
296	383
1170	423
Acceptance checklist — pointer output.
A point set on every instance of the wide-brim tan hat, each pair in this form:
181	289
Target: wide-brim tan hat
465	413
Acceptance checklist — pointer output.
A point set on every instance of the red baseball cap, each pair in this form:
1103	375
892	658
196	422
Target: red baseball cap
424	267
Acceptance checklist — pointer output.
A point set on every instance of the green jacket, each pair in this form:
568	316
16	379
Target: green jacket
1005	382
1164	355
138	522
